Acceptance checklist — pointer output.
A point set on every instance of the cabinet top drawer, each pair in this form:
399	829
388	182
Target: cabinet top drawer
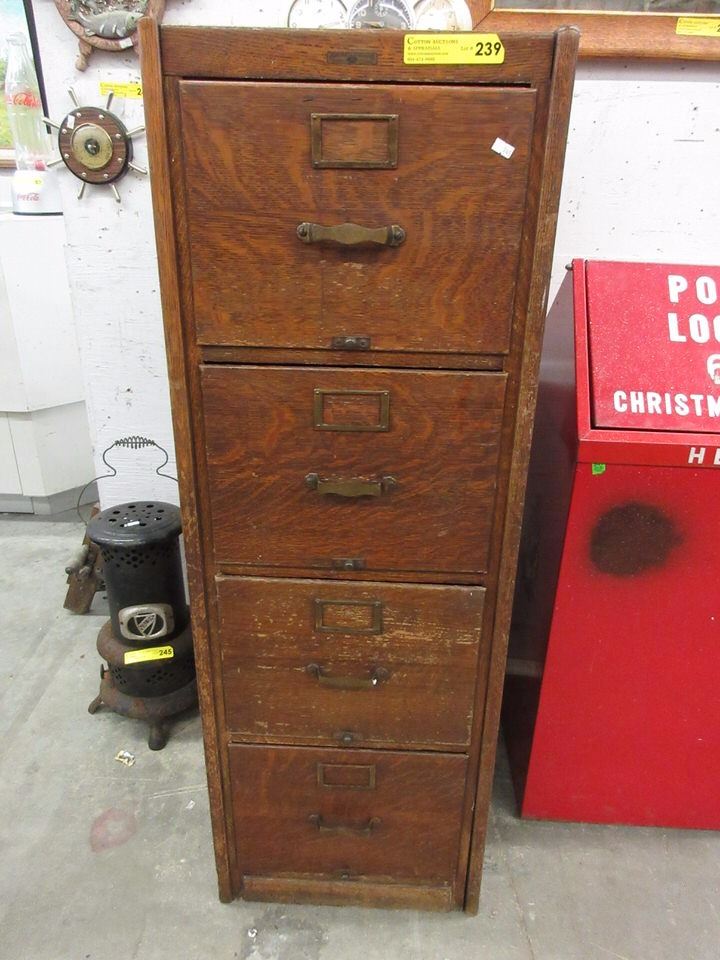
380	216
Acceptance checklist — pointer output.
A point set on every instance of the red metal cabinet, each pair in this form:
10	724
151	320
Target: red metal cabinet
612	699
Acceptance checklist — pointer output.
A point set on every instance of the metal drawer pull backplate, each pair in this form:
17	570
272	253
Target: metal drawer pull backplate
351	234
377	676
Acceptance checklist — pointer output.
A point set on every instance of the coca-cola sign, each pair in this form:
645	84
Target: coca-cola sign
24	99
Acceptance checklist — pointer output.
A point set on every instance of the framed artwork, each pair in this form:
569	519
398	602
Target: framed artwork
16	16
662	29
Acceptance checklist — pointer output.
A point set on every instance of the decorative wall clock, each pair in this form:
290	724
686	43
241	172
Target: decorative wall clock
95	145
310	14
393	14
443	15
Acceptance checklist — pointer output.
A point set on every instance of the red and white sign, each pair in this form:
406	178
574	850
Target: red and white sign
25	99
654	345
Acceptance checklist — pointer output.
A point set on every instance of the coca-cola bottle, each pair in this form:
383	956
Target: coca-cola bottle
24	107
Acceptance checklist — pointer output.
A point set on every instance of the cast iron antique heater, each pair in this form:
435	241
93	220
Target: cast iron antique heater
147	643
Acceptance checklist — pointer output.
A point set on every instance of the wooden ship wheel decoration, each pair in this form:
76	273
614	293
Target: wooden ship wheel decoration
106	24
95	145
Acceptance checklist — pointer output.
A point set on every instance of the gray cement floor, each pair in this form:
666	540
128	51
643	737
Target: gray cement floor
103	862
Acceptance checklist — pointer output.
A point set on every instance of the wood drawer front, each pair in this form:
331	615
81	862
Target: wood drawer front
436	435
295	652
253	175
347	813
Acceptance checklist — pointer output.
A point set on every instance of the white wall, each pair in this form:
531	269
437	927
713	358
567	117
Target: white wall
641	184
641	173
39	360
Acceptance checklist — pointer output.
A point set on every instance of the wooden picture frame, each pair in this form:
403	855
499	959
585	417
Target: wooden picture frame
606	35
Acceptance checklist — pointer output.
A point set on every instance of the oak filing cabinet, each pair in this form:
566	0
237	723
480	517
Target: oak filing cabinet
355	255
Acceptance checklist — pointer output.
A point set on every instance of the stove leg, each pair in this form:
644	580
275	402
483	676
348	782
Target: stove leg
158	736
95	705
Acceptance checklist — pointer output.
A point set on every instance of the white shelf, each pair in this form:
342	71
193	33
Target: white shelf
44	437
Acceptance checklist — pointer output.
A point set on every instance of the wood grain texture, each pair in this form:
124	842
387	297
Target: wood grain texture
427	639
548	187
187	478
250	183
234	54
616	35
416	800
441	448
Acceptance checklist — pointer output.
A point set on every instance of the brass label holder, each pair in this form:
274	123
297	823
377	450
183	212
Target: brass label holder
376	616
347	776
383	424
321	161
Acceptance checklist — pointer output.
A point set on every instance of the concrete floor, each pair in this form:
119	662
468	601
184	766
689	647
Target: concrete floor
104	862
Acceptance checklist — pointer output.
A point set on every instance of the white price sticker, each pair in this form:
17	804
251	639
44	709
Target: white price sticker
504	149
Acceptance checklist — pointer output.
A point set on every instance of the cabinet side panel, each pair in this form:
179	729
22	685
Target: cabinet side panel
547	180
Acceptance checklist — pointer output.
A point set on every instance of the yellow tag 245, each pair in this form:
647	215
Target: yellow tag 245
148	654
478	49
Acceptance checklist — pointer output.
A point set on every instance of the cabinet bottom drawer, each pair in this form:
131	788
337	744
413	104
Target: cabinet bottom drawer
347	814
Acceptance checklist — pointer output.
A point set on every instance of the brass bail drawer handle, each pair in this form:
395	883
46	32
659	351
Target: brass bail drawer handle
351	234
377	676
352	487
359	830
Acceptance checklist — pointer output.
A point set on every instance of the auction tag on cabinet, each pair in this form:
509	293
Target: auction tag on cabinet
149	654
130	91
698	27
480	49
503	148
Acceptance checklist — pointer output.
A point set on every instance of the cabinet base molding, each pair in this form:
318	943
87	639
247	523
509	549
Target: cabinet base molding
348	893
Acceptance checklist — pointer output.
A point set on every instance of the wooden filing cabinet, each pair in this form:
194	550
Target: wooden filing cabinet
354	276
